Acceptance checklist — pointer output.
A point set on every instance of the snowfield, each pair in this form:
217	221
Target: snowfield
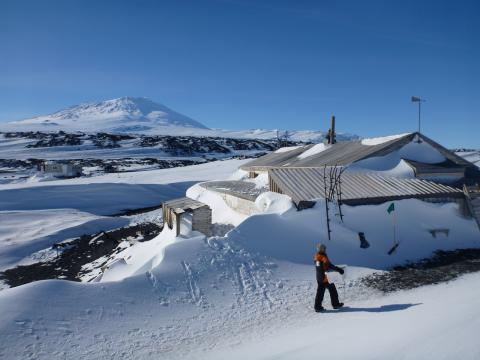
414	324
25	232
36	215
245	292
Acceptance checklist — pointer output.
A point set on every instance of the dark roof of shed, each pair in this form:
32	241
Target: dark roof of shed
241	189
447	166
307	184
343	154
183	203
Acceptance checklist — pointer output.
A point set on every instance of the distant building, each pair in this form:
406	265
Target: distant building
60	169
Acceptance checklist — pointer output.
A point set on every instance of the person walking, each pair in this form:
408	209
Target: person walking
322	265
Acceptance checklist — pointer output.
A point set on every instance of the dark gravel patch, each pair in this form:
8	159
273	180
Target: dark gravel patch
442	266
73	254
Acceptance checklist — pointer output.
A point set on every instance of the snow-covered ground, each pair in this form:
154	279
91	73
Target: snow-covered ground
434	322
23	233
247	294
250	295
35	215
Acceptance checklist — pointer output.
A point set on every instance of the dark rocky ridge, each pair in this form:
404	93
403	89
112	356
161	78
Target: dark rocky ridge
173	145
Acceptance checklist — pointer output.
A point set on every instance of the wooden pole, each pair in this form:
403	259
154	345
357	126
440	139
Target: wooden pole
326	199
394	228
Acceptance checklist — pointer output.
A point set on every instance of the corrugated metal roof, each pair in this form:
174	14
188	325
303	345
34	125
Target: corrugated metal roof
183	203
307	184
242	189
274	159
342	153
346	153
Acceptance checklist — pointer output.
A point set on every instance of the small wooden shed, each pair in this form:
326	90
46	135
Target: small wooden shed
61	169
185	214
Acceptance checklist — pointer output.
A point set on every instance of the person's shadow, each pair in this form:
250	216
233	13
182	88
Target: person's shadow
383	308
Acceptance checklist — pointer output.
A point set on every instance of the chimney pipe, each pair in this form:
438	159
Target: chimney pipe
332	131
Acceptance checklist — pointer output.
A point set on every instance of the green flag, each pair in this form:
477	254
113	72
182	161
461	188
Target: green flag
391	208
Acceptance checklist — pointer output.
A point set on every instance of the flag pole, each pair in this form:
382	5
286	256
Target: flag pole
394	228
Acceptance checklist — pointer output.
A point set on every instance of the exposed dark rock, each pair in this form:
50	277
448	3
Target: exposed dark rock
443	266
174	145
73	254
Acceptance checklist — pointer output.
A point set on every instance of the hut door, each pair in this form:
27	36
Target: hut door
186	220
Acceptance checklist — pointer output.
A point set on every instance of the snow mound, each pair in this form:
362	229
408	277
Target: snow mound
270	202
292	236
381	140
221	212
401	170
416	151
141	258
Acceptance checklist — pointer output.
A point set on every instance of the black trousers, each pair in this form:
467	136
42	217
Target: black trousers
321	292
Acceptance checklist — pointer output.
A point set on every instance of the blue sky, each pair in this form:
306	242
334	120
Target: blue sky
240	64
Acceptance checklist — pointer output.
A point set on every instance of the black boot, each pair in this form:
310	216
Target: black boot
336	304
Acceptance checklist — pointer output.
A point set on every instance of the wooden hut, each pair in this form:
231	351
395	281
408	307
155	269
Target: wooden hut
307	184
185	215
349	152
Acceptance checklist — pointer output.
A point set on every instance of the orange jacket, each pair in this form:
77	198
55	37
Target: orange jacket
322	265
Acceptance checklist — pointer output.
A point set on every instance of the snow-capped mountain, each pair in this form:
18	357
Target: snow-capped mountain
125	114
138	115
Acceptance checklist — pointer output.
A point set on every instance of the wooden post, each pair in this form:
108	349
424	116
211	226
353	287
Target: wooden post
177	224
